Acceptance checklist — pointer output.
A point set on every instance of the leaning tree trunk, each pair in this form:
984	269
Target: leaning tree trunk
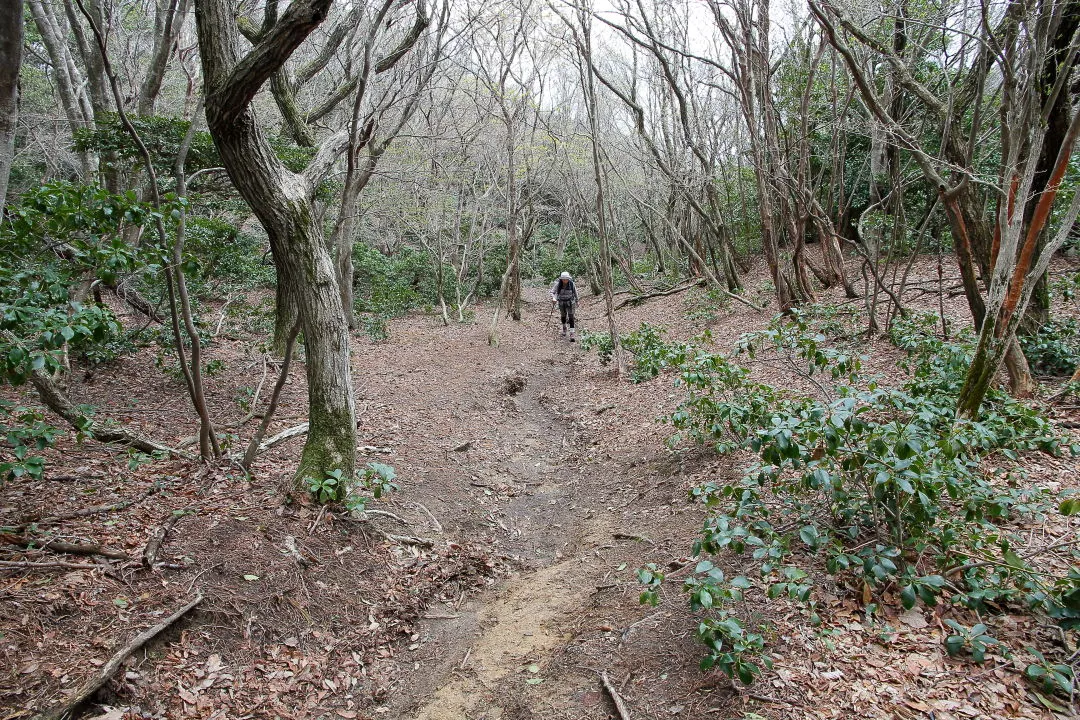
11	41
283	201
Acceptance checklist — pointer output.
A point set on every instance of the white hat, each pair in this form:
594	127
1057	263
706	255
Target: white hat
564	276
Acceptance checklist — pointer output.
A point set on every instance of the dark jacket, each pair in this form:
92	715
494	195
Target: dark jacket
564	293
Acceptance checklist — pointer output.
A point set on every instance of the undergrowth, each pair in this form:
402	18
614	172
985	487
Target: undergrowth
879	490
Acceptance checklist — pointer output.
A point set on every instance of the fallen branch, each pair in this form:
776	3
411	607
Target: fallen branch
284	435
71	478
638	299
620	704
221	320
84	512
627	536
153	545
59	546
29	565
91	686
293	551
132	297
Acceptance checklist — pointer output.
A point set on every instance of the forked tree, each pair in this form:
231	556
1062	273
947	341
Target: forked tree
283	201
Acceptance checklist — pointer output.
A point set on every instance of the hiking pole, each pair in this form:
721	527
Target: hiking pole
551	312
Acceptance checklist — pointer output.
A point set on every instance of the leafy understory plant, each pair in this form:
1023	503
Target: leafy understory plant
373	481
881	488
1049	676
650	352
974	640
25	433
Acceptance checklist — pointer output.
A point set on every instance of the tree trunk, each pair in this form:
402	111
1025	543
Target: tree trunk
69	81
283	202
1038	310
11	41
167	25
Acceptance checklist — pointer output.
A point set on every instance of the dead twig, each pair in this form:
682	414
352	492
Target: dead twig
221	320
620	704
628	536
436	523
80	696
153	545
384	513
256	446
84	512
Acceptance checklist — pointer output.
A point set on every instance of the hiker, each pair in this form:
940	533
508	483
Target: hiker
564	293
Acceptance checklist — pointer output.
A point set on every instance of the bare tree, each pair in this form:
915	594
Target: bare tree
1010	250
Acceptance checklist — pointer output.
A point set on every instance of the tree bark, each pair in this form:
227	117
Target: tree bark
283	202
11	42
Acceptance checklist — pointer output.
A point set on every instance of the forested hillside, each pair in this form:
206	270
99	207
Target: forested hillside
539	359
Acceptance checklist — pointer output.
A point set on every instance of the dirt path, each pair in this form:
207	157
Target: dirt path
552	526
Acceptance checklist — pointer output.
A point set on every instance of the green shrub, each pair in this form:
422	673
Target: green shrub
1054	349
224	253
880	487
601	342
651	354
370	482
24	433
390	286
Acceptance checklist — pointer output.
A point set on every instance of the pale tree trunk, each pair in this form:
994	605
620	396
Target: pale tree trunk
168	22
363	150
978	244
345	231
1021	258
70	82
588	86
750	49
11	41
283	202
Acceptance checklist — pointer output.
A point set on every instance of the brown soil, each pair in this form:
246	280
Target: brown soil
543	482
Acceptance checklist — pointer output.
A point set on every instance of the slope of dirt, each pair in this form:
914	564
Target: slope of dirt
542	482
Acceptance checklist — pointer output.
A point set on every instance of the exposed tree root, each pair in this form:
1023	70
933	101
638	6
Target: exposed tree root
56	400
80	696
